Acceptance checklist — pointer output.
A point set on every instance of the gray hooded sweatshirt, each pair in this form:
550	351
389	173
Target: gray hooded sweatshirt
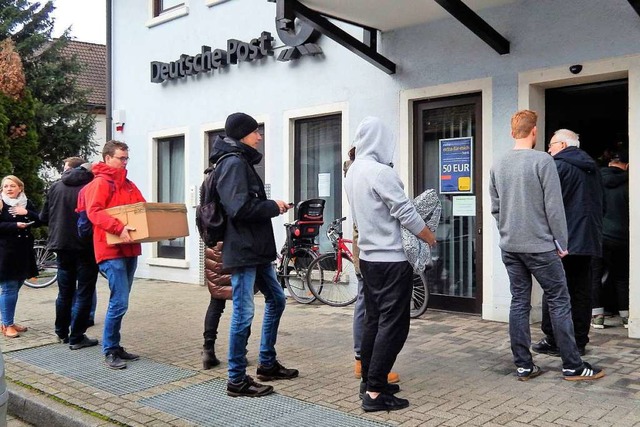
376	195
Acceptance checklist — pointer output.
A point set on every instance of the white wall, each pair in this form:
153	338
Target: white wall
545	34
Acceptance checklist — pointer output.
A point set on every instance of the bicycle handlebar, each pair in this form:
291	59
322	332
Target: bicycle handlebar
338	221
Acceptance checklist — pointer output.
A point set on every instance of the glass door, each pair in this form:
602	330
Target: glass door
447	158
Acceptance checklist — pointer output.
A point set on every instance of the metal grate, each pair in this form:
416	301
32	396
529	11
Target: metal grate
87	366
209	405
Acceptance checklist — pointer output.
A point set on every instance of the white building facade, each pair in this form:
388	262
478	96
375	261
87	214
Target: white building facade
435	76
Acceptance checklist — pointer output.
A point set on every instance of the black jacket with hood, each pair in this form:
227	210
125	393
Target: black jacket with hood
582	196
59	211
248	239
615	225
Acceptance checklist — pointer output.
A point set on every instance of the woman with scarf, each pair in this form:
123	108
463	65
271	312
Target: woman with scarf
17	258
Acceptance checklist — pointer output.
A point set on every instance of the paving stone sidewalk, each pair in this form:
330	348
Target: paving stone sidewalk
456	370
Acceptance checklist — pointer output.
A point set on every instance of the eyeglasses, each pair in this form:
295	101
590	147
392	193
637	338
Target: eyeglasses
555	142
122	159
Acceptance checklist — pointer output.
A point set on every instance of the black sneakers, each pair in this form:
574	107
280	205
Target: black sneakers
543	347
86	342
391	389
586	372
248	388
275	372
113	361
525	374
384	402
122	353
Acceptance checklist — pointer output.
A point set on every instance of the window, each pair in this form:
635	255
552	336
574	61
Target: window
171	187
211	137
162	6
318	166
161	11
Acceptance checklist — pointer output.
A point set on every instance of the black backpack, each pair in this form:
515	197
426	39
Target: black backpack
211	219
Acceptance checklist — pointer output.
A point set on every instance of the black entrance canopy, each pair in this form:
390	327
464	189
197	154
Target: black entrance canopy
383	15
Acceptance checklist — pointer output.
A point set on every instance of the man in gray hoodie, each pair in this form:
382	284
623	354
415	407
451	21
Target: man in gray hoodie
379	207
526	201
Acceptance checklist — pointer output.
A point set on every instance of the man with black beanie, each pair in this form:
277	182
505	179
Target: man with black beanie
249	250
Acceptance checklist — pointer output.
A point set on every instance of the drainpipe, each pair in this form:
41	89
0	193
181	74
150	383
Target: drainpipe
109	99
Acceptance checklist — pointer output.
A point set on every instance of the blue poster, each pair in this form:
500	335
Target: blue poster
456	165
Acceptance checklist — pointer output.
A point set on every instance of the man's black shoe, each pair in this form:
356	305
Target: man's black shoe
543	347
384	402
113	361
249	388
122	353
86	342
391	389
275	372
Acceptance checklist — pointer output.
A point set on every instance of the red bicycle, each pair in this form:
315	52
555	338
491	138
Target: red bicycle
331	277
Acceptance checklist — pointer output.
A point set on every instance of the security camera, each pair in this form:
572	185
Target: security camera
575	69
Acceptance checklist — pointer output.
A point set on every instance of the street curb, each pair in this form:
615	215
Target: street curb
39	410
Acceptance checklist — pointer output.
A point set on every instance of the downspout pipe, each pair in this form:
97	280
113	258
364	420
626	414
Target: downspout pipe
109	100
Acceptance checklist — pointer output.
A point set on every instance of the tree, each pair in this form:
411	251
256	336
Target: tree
63	125
19	141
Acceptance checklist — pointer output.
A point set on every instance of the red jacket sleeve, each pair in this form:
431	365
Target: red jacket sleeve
98	197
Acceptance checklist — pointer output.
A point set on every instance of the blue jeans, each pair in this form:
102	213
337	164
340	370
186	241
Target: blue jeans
94	304
77	275
8	300
119	273
546	267
242	282
358	318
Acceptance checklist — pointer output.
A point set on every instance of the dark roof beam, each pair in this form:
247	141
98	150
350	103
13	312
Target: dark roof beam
636	5
365	50
479	26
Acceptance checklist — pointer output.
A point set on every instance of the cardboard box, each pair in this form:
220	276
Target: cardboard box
152	221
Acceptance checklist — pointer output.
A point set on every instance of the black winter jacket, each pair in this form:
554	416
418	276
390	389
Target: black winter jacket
615	225
59	211
248	239
17	259
582	196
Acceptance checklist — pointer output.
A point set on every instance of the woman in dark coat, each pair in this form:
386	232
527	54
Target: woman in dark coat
17	258
218	281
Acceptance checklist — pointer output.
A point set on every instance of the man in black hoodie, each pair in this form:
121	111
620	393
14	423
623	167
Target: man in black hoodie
249	250
615	231
582	197
77	268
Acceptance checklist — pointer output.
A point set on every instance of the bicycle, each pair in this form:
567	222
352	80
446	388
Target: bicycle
46	261
332	277
47	266
337	285
300	249
419	295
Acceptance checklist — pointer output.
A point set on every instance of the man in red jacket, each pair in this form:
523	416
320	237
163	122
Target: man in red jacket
109	188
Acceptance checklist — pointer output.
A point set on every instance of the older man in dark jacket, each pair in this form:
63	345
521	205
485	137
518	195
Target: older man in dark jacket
77	268
582	197
249	250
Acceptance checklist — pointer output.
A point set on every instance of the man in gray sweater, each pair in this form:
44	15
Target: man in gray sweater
526	201
379	207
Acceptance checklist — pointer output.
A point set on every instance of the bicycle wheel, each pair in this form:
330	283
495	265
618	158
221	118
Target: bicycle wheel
294	273
419	296
332	287
47	268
